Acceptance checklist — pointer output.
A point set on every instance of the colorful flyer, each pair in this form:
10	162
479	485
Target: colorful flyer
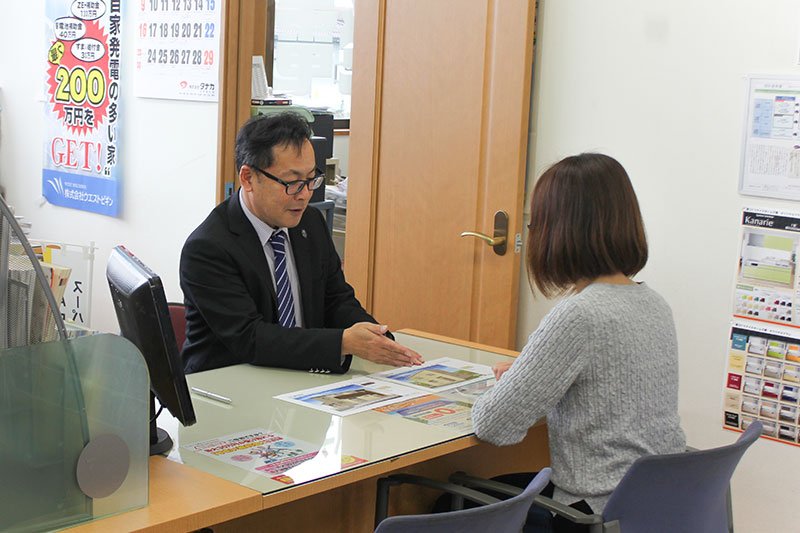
767	283
435	411
762	380
438	375
271	454
82	104
350	396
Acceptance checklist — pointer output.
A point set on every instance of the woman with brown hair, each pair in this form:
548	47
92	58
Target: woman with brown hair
603	364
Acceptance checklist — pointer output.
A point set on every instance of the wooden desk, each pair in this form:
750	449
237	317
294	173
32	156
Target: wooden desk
184	498
181	499
346	502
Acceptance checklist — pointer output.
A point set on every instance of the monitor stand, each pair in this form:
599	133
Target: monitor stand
160	441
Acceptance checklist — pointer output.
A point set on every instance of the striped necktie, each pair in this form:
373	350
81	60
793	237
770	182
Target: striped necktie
284	290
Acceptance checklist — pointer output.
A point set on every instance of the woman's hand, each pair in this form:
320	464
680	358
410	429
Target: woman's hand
500	368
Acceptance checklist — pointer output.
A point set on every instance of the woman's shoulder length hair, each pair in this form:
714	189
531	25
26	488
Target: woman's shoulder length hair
585	223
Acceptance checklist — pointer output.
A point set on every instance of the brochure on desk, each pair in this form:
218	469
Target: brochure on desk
272	454
433	410
451	409
351	396
438	375
392	386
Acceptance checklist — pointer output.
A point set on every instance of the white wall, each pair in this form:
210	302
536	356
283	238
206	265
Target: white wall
167	153
659	86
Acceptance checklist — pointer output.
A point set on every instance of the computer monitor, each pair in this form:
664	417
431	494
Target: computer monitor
144	320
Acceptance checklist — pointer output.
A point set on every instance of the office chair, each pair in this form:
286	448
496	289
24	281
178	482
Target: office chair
177	315
492	515
686	491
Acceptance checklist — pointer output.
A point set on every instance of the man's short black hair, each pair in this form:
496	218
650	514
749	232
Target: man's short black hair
260	134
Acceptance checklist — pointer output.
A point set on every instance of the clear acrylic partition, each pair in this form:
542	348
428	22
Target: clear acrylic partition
55	398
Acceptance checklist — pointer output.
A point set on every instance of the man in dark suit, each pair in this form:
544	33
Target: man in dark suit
261	279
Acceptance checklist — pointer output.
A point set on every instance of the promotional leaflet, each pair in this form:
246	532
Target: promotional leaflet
270	454
82	104
762	374
350	396
767	288
438	375
433	410
392	386
451	409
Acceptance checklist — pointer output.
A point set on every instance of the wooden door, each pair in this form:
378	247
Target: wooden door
439	125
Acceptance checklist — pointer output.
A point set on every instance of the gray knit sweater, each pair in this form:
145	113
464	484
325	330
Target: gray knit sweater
603	367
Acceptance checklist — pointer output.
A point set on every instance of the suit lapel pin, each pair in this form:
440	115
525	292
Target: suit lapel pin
303	233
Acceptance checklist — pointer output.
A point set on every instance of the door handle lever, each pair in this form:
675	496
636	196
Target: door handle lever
491	241
498	241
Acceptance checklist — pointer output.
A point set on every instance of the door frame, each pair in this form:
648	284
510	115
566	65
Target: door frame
244	34
362	190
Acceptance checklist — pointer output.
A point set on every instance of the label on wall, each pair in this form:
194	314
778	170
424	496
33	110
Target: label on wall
82	89
177	49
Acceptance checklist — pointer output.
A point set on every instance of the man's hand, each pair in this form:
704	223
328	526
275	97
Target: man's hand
366	340
500	368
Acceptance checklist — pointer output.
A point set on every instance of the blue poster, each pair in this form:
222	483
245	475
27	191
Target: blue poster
82	89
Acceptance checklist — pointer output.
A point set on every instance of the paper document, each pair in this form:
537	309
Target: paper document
433	410
770	156
438	375
266	453
351	396
396	385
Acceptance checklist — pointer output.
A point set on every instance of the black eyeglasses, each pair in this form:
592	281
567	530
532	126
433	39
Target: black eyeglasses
294	187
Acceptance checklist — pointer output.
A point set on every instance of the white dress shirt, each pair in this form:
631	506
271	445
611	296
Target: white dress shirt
264	232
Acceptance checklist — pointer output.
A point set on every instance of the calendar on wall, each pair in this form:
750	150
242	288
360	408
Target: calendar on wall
177	49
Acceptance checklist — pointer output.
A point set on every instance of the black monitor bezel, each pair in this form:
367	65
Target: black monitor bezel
128	278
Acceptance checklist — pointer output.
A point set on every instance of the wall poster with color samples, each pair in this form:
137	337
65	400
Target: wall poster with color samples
762	380
762	375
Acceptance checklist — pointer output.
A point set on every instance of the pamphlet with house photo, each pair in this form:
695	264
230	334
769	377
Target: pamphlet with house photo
351	396
391	386
438	375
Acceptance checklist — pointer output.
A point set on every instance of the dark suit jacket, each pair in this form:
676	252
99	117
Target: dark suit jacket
231	307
